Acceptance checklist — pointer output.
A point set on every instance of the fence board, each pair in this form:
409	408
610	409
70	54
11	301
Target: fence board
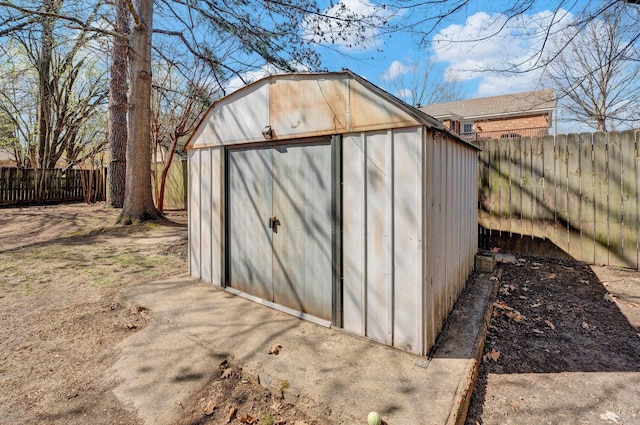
515	183
537	184
587	199
601	205
630	174
573	193
549	188
614	190
504	189
562	193
494	184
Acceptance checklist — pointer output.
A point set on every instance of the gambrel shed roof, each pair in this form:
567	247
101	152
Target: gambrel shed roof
303	105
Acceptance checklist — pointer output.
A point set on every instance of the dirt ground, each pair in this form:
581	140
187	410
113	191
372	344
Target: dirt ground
552	317
61	268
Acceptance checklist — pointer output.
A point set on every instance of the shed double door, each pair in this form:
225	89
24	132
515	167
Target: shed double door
280	225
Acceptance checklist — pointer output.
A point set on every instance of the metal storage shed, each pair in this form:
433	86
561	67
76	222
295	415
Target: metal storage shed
326	197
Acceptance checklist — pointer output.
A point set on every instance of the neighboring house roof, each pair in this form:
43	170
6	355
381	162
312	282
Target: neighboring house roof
533	102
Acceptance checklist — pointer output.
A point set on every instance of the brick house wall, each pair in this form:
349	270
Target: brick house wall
514	123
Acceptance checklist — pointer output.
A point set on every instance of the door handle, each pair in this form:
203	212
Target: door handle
274	223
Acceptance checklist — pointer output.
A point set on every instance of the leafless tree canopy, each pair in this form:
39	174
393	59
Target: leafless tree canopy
596	72
231	38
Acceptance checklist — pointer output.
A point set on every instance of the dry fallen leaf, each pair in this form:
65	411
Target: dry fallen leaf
232	413
584	281
226	373
551	325
633	305
493	278
502	306
275	349
536	305
248	419
585	325
209	408
515	315
609	297
493	355
495	249
551	276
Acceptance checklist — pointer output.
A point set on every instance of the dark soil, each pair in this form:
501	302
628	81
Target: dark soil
555	316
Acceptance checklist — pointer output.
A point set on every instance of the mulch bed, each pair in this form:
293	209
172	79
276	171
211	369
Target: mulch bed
553	316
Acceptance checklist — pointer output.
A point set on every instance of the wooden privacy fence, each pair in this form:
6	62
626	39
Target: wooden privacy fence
18	186
576	194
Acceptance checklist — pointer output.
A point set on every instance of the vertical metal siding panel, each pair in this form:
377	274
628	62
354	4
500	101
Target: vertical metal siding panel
459	211
473	211
464	209
437	240
194	213
205	215
430	251
216	216
449	223
353	236
378	264
407	239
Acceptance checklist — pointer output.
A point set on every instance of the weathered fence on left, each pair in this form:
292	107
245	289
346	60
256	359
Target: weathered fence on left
28	186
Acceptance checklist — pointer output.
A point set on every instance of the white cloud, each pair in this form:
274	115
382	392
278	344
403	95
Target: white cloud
349	24
404	93
501	52
395	70
239	81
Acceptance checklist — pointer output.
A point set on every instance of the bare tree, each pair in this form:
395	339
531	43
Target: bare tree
51	89
596	73
179	102
418	84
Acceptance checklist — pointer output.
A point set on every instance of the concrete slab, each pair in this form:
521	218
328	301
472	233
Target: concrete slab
336	377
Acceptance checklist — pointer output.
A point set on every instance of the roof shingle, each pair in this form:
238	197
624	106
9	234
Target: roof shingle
509	104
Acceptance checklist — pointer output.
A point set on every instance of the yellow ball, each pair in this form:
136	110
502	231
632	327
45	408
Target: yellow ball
374	418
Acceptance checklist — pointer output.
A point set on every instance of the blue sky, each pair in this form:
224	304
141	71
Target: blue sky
478	47
455	51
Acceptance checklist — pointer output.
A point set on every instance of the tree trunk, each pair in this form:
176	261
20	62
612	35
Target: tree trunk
118	110
44	96
138	200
